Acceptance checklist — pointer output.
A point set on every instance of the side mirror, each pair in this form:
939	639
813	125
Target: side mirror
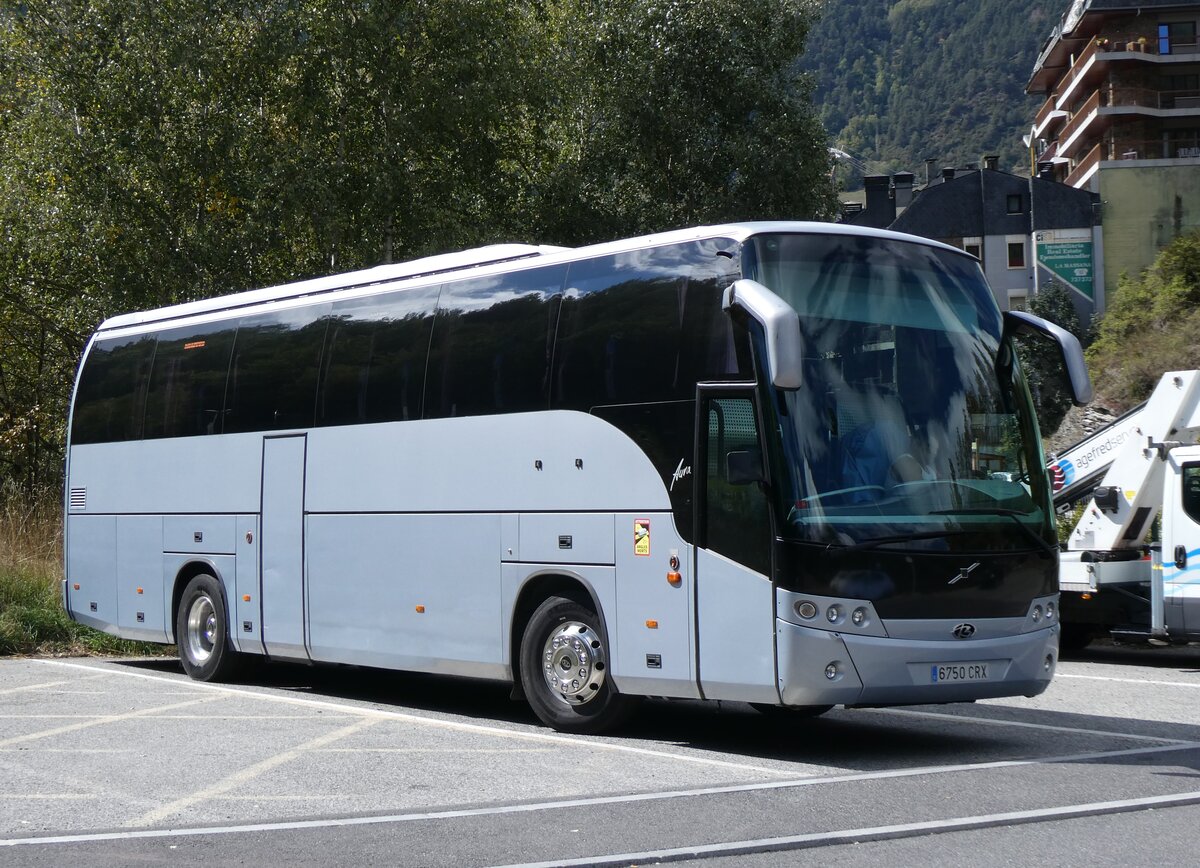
1017	321
781	328
744	466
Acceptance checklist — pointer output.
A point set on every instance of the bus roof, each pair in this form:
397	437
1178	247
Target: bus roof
491	259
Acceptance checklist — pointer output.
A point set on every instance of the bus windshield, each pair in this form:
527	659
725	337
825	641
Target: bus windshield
903	434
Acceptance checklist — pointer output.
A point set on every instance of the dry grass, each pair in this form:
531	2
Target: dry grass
32	620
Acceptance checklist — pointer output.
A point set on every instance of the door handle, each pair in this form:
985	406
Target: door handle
1180	558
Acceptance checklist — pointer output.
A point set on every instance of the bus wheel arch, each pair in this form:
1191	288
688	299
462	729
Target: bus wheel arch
536	590
200	617
559	617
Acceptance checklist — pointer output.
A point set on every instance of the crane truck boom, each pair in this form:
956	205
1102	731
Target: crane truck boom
1110	580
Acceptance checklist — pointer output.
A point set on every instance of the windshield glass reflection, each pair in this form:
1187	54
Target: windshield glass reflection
903	424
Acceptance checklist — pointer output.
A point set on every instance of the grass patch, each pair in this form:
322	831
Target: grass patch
32	619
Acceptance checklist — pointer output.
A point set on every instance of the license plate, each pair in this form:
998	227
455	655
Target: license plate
958	673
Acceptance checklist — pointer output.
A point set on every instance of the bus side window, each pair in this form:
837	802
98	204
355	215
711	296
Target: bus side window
645	326
618	334
112	391
374	367
736	519
273	376
187	381
491	345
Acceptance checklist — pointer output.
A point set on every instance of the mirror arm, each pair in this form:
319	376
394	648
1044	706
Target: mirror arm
781	328
1018	321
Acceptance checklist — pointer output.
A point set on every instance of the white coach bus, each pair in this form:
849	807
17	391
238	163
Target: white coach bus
791	464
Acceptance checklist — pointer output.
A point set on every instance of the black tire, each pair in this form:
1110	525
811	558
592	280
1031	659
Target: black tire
202	631
795	712
564	638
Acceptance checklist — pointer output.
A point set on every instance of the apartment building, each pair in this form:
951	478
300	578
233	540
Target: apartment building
1121	118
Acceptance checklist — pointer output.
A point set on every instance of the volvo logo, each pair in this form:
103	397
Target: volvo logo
964	631
965	572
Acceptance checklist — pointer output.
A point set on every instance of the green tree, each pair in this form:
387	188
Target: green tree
677	113
1150	326
155	153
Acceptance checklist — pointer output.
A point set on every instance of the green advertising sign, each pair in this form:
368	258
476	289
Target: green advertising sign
1070	262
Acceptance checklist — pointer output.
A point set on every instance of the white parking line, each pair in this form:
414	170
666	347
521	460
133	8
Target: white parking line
874	833
1020	724
458	726
27	687
563	804
99	720
248	774
1191	684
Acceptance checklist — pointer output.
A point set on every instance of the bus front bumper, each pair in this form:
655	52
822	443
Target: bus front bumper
817	667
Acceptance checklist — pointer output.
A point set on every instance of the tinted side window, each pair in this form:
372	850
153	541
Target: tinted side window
112	391
644	326
187	382
492	342
1191	491
374	369
736	519
273	376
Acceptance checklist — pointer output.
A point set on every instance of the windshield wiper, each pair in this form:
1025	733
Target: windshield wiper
1014	514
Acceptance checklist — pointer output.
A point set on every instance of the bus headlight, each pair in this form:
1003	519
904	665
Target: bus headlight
858	617
833	614
806	610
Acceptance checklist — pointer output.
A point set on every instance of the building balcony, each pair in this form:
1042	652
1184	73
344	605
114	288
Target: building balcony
1094	65
1113	105
1120	152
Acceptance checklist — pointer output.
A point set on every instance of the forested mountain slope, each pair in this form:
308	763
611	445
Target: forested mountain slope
902	81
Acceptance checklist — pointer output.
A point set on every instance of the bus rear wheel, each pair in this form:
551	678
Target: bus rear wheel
202	631
564	669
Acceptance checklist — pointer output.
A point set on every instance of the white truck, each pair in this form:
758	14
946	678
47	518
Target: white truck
1111	581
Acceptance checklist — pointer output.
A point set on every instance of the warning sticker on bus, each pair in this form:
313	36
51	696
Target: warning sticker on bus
641	537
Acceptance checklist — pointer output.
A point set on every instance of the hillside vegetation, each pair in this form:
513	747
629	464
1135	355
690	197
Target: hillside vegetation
902	81
1150	327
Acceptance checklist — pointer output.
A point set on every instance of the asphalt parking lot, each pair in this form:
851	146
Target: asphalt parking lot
123	761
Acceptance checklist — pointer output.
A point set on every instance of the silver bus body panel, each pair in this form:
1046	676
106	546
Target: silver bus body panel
142	611
282	547
406	591
735	633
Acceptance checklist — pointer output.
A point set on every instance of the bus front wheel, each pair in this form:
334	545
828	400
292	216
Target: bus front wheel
564	669
202	632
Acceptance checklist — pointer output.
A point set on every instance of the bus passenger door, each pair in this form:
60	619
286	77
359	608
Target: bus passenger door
735	602
282	547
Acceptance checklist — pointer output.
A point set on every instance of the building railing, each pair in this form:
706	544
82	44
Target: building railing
1151	149
1151	98
1044	111
1078	118
1078	67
